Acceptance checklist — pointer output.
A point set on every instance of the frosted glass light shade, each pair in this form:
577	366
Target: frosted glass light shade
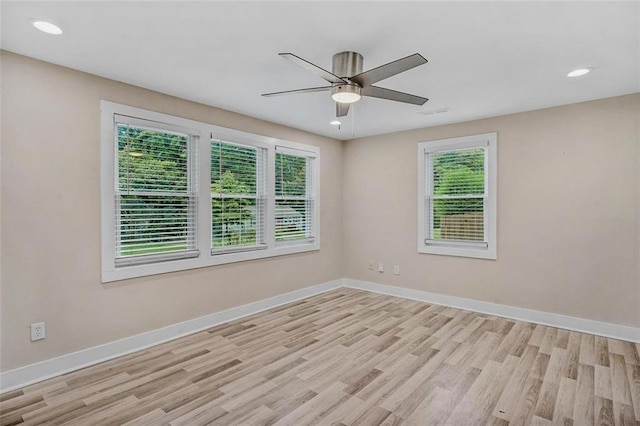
346	93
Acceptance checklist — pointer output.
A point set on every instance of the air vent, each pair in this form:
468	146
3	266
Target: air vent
435	111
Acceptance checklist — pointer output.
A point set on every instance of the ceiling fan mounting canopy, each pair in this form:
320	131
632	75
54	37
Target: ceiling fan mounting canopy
349	83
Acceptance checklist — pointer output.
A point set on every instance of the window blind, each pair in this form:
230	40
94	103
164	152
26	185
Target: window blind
155	197
238	197
294	203
456	196
157	216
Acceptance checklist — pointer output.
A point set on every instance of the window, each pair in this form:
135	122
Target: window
457	196
173	199
156	192
238	197
294	196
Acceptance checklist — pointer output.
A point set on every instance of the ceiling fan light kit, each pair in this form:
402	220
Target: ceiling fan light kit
345	93
349	84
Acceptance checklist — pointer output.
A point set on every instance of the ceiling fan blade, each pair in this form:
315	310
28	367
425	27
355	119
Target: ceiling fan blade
291	92
392	95
342	109
331	78
374	75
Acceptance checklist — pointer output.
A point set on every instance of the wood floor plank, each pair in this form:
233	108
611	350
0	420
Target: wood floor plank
318	407
434	410
603	411
548	341
602	351
506	404
537	335
151	418
602	382
587	349
633	375
564	404
351	357
583	412
523	411
619	383
399	397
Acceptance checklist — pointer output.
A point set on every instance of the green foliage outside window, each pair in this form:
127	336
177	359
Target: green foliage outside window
291	192
152	165
235	202
150	160
457	173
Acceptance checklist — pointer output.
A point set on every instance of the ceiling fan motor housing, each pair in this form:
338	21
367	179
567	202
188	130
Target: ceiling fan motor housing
347	64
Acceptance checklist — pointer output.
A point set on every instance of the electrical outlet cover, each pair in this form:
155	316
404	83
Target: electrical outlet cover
38	331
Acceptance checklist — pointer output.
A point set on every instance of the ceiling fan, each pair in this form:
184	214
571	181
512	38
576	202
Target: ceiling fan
349	83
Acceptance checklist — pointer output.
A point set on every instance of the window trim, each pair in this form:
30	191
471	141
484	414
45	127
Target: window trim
458	248
110	273
193	136
311	175
253	144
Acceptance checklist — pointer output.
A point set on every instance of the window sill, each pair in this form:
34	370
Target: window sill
127	272
222	259
473	252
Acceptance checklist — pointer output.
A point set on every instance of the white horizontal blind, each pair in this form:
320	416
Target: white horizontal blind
455	202
238	197
294	204
156	196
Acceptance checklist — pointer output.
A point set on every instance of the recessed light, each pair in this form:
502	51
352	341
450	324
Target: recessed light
47	27
335	123
579	72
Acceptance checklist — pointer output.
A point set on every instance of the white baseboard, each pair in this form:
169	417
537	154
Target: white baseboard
605	329
34	373
23	376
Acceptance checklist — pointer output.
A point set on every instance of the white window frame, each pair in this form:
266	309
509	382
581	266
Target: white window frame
311	182
192	194
228	137
206	133
460	248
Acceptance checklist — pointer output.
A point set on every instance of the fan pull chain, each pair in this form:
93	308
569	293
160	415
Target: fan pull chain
353	121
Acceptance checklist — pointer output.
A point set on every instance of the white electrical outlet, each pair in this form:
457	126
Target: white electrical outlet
371	265
380	267
38	332
396	269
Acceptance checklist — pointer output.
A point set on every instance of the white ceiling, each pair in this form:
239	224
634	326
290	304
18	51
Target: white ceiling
485	58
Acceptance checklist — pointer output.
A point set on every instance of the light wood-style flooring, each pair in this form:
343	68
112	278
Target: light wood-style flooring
350	357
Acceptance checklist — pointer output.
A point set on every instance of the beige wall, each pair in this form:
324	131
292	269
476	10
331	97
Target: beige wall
568	212
568	216
51	221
